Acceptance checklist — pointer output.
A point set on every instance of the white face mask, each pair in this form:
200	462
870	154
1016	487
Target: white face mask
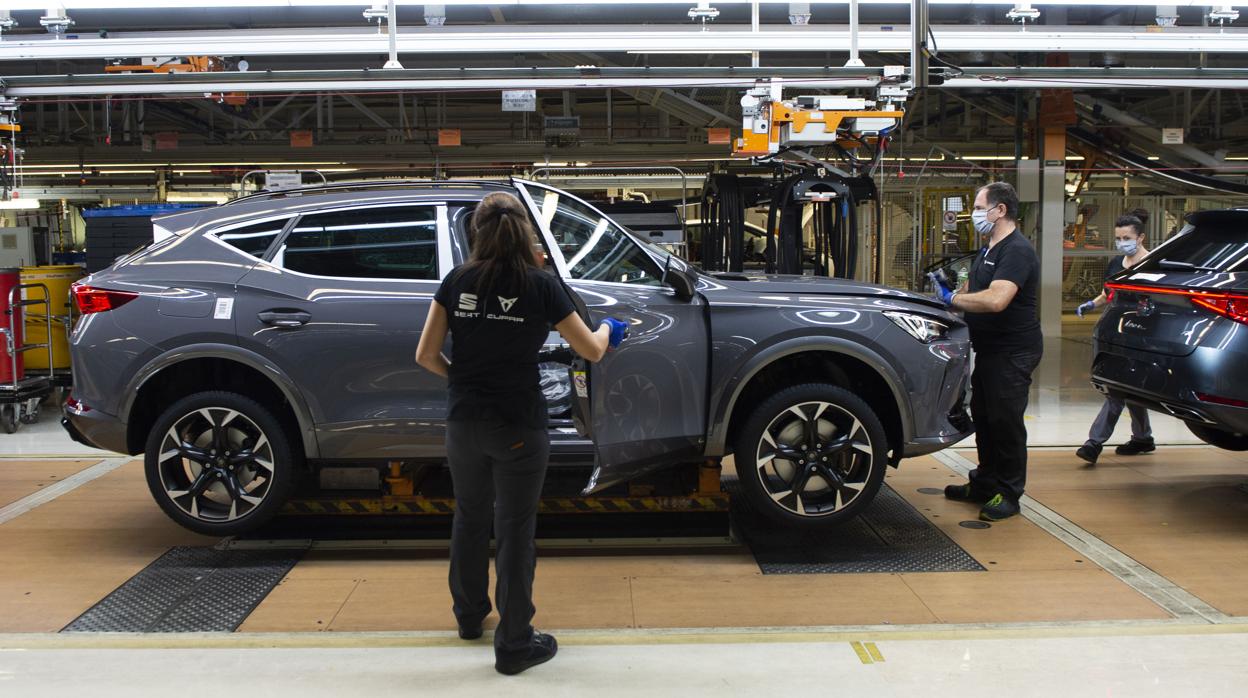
979	218
1128	247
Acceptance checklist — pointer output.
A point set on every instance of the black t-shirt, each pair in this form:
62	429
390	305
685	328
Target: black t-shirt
1018	326
495	339
1115	265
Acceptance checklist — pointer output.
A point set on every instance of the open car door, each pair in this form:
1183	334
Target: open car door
644	404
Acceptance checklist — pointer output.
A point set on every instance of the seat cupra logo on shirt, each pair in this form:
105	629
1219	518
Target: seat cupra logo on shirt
467	301
506	303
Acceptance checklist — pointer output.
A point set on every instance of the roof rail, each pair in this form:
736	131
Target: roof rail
377	184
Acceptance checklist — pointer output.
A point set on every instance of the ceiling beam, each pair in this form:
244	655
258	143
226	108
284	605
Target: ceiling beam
496	39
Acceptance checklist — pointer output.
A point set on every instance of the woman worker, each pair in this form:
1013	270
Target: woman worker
498	308
1129	238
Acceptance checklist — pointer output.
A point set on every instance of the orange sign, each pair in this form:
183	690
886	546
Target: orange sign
719	136
448	137
301	139
167	140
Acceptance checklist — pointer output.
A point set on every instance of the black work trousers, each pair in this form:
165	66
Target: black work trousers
999	391
497	471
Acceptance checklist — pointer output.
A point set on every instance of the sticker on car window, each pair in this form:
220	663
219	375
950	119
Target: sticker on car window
224	309
1145	276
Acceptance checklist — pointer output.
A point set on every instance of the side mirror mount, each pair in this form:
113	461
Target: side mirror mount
679	279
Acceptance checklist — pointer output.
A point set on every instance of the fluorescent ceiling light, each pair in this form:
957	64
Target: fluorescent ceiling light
200	4
196	197
102	165
19	204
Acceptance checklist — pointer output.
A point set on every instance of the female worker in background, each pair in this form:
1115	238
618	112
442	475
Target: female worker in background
499	308
1129	239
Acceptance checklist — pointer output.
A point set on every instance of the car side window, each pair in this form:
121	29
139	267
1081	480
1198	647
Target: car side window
391	242
594	248
254	239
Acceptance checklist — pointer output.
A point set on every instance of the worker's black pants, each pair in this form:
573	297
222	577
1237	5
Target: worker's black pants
497	470
999	389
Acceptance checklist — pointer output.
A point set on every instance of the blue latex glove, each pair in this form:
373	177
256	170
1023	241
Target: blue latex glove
619	331
940	280
944	293
1085	308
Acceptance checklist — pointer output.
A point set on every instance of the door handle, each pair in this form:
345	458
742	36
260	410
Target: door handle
274	318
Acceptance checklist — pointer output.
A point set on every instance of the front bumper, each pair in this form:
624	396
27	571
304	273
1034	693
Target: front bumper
95	429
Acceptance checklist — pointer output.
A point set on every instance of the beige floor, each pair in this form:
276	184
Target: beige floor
1180	512
62	557
1183	512
22	478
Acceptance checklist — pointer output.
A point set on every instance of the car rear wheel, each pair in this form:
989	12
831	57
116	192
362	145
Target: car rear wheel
219	463
1217	437
811	456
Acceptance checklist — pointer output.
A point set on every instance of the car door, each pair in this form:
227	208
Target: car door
339	305
646	399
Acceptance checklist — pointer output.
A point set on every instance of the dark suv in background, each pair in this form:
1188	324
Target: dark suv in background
1174	337
277	333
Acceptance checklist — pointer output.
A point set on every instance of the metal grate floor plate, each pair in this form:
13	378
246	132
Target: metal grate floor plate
890	536
190	590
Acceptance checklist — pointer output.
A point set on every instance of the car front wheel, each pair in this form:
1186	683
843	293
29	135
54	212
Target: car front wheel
811	456
218	463
1217	437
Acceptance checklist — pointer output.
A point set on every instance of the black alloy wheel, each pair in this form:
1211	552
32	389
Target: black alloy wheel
811	456
218	463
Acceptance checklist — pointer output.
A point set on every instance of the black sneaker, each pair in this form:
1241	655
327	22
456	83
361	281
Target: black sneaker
1135	447
966	493
470	632
1090	452
998	509
541	651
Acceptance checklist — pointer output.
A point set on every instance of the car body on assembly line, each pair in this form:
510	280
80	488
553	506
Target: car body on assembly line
277	333
1173	337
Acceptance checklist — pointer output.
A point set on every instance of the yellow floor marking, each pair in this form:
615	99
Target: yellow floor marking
874	651
861	652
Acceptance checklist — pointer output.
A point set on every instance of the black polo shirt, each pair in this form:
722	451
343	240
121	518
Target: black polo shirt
1017	327
495	338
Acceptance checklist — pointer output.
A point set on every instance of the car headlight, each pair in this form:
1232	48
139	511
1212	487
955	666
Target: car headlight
921	327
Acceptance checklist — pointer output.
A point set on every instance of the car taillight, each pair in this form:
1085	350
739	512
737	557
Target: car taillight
98	300
1228	305
75	404
1219	400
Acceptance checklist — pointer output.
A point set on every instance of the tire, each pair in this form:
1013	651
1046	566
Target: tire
238	490
1217	437
848	471
8	417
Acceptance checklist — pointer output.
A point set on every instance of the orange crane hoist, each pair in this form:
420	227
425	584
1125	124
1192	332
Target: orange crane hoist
771	123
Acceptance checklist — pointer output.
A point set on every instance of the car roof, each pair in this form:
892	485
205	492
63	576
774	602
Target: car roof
1219	217
293	201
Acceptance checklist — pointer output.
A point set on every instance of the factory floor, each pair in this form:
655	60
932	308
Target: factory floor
1127	578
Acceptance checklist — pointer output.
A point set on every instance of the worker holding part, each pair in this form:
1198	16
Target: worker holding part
498	308
1129	239
999	302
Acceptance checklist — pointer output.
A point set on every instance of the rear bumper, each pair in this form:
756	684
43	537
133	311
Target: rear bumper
1168	384
95	429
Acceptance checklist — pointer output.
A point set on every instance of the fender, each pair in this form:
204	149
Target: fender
718	436
231	353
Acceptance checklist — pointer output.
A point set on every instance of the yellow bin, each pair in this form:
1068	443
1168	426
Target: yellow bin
58	279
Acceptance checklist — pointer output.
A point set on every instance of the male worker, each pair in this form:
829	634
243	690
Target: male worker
999	300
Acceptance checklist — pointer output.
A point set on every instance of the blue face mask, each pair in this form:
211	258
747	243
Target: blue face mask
1128	247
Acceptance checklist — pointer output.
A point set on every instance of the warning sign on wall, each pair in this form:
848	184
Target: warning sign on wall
950	222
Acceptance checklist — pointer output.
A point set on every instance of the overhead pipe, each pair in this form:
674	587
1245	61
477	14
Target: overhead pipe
854	61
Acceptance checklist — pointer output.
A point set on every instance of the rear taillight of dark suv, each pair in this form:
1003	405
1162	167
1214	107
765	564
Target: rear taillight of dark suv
1228	305
90	299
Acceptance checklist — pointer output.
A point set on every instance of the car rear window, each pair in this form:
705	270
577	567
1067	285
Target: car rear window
1218	249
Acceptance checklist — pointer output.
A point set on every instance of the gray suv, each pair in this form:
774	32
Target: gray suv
1172	338
275	335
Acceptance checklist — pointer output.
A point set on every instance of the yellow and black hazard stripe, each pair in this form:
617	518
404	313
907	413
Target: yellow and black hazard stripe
553	505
